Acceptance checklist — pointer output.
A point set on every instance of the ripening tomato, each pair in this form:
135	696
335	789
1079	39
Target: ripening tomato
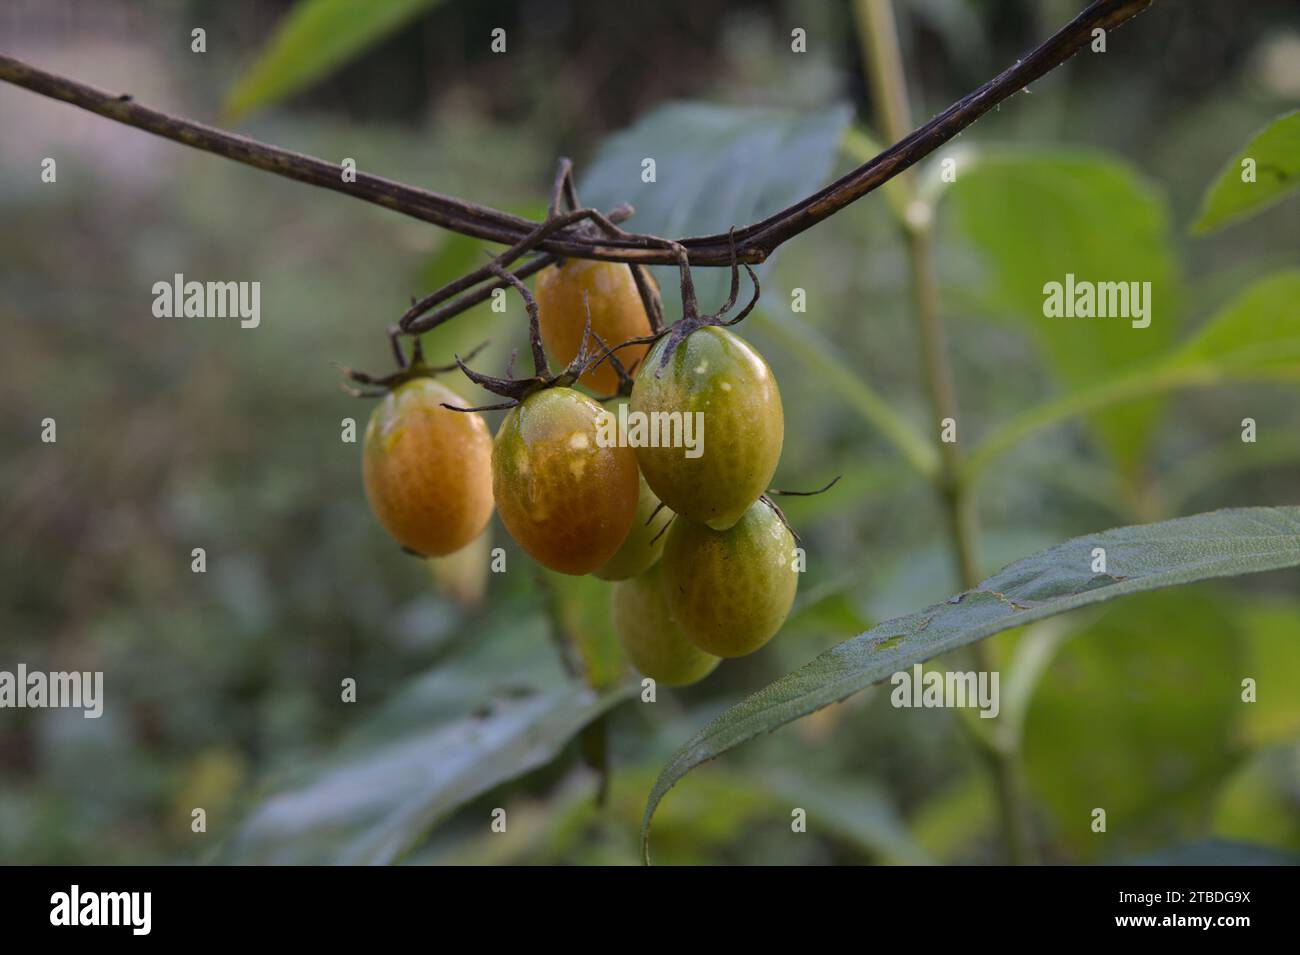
617	315
726	386
427	470
568	501
730	590
650	636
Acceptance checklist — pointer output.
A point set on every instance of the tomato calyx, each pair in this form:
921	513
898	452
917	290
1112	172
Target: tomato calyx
517	389
377	386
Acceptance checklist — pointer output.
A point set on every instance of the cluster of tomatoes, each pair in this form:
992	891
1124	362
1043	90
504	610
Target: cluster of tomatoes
702	562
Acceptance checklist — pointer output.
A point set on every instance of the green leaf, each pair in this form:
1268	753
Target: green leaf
1040	216
715	167
315	38
1140	558
1256	336
373	807
1276	152
1260	329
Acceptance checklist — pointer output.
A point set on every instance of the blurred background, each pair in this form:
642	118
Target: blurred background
224	688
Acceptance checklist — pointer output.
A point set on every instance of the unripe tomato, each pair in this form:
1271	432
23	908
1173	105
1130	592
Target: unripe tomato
616	315
730	590
650	636
640	549
719	374
567	501
427	470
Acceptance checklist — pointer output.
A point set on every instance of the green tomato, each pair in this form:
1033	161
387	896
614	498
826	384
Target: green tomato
650	636
730	590
640	548
567	501
717	373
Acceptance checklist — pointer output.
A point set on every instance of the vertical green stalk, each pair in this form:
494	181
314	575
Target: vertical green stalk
878	41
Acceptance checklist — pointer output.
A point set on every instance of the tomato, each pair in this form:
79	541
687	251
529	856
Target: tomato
640	549
717	374
730	590
427	470
565	499
650	636
644	542
617	315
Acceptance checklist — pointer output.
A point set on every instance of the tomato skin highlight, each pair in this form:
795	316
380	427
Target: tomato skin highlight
730	590
427	470
566	500
617	314
653	642
715	372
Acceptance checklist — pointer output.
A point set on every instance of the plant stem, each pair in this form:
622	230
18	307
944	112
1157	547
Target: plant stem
878	37
754	242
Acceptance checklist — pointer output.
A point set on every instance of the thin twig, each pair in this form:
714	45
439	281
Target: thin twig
754	243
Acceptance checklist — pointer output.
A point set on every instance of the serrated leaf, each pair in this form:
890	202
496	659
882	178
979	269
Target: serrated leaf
371	808
715	167
1276	152
314	39
1037	217
1139	558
